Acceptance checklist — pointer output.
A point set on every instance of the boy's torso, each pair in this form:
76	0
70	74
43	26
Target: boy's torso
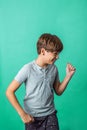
39	96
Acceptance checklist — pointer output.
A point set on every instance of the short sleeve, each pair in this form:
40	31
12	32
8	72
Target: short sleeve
22	74
57	75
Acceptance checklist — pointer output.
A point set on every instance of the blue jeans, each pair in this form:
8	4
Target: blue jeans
49	122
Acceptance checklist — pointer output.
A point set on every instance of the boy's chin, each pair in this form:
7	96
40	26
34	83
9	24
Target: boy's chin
52	62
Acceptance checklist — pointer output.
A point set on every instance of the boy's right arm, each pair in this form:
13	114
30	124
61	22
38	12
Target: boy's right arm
10	93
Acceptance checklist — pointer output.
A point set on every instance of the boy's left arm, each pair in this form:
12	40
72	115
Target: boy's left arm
60	87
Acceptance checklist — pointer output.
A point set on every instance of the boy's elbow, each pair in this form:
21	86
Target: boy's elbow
8	92
59	94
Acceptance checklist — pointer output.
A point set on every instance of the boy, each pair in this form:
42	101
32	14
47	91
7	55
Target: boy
41	80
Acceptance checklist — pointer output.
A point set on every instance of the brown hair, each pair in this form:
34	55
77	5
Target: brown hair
49	42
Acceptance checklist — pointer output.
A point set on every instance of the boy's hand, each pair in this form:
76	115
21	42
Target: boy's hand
70	70
26	118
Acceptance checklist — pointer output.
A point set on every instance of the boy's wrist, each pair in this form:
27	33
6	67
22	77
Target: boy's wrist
21	112
68	77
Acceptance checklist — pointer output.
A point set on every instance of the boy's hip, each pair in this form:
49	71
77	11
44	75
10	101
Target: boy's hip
44	123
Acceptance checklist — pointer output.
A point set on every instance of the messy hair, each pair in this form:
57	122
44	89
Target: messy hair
49	42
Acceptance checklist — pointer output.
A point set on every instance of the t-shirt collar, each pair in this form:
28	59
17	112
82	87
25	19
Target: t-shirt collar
39	67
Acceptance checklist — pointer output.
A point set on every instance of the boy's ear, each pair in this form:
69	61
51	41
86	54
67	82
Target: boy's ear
42	51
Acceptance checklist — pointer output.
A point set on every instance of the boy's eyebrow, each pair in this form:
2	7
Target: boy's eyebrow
55	53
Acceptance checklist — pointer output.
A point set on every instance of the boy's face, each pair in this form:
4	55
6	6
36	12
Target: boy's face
50	57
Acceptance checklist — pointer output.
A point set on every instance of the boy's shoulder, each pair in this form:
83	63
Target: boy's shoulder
29	64
53	67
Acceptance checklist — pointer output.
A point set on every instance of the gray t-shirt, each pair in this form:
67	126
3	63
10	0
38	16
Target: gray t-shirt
39	98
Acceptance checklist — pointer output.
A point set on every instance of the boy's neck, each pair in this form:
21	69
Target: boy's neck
40	62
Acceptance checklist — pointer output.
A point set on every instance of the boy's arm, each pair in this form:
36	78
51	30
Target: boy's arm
10	93
60	87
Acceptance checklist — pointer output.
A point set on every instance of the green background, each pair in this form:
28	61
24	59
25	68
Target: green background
21	23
